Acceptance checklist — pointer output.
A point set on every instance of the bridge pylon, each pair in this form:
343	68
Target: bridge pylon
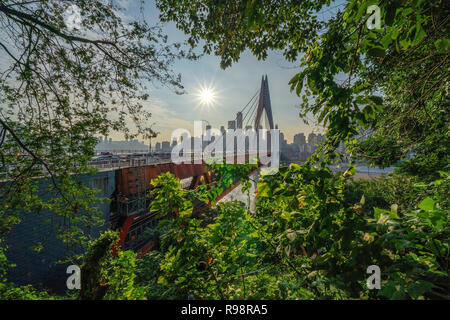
264	105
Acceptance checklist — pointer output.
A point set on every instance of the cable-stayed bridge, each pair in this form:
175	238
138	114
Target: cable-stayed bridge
130	213
126	182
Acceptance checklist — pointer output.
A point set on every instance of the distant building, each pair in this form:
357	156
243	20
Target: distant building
299	139
231	124
312	138
165	146
239	120
108	145
206	136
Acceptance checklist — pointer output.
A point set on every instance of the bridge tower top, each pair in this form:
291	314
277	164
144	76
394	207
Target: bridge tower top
264	105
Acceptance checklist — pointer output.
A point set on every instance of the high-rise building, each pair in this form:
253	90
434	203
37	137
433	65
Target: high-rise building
283	142
184	137
299	139
239	120
165	146
312	138
158	146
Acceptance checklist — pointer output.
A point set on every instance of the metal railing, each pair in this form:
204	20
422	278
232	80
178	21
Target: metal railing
124	163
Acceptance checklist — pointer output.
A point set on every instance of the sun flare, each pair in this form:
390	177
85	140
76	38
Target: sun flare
206	97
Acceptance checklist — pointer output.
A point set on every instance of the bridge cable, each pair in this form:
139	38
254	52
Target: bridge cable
254	104
250	100
253	115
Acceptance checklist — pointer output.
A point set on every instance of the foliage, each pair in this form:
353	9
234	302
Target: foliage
307	240
104	276
383	192
62	85
229	27
193	255
10	292
349	240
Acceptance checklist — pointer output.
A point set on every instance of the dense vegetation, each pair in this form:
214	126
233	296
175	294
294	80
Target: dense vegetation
314	232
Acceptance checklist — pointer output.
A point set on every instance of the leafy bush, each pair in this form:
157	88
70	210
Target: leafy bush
309	239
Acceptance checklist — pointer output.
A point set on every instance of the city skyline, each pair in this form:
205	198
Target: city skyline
108	144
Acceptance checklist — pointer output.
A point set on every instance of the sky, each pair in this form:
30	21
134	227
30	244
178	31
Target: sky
233	88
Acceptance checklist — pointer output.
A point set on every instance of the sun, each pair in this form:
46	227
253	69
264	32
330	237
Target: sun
206	96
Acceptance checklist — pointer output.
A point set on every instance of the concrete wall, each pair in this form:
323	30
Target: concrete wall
41	268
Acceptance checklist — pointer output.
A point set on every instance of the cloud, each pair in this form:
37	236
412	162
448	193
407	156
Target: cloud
166	120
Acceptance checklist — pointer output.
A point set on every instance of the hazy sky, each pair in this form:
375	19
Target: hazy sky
234	87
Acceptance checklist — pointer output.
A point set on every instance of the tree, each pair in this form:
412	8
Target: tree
104	276
62	82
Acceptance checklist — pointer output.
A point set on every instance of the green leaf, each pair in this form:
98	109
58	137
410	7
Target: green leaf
420	34
263	189
386	40
377	212
394	34
376	52
427	204
393	215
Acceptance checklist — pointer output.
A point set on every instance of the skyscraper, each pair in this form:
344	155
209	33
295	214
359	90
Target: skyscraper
299	139
312	138
239	120
165	146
